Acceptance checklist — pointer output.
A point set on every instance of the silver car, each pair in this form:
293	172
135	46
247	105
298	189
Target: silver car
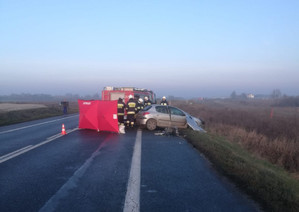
154	116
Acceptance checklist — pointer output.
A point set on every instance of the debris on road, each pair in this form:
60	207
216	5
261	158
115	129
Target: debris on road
169	131
122	129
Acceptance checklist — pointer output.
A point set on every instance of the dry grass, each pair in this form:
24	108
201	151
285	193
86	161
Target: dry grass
275	138
7	107
278	151
25	113
273	187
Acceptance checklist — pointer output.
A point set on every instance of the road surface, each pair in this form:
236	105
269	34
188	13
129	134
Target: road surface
41	170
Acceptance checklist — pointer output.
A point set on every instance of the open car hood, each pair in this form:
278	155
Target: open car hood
193	123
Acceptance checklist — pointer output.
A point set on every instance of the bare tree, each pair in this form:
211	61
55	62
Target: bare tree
233	95
276	94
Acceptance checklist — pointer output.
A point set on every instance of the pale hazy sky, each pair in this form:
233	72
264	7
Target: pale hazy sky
182	48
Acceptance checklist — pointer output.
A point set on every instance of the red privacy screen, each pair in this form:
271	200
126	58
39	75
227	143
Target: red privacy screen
98	115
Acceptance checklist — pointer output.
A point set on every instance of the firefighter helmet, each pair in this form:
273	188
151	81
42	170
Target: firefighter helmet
145	98
163	97
140	100
130	96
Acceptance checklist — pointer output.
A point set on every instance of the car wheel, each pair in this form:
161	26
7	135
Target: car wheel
151	124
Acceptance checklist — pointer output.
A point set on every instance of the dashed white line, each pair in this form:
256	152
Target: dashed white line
13	153
33	125
30	147
63	192
132	201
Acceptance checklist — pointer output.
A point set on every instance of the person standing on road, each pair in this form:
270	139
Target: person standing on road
140	105
164	101
147	101
120	111
131	111
65	105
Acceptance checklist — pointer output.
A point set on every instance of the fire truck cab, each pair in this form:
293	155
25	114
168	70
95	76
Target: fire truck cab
113	93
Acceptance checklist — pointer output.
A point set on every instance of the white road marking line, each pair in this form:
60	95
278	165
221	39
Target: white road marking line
53	137
33	125
69	131
15	152
132	202
30	147
63	192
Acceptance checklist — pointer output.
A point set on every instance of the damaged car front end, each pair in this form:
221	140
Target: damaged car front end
155	116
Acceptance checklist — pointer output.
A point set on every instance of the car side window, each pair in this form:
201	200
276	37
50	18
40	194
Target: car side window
147	108
161	109
175	111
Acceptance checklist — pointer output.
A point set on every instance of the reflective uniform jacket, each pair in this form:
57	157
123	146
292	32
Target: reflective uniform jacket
140	106
120	108
146	103
164	102
131	107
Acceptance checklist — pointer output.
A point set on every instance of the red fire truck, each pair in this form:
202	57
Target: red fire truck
113	93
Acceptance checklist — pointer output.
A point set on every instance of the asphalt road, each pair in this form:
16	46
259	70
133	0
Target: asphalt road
40	170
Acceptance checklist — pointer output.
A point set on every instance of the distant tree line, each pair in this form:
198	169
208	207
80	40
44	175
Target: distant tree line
234	95
276	94
170	98
26	97
288	101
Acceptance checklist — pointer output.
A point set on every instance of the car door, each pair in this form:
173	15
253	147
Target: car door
177	117
162	116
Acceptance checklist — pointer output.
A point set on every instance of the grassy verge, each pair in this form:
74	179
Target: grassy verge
270	185
19	116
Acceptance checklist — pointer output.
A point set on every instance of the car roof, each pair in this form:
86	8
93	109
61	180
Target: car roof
166	106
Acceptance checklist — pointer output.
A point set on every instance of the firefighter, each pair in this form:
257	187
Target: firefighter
140	105
120	111
147	101
136	98
164	101
131	111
